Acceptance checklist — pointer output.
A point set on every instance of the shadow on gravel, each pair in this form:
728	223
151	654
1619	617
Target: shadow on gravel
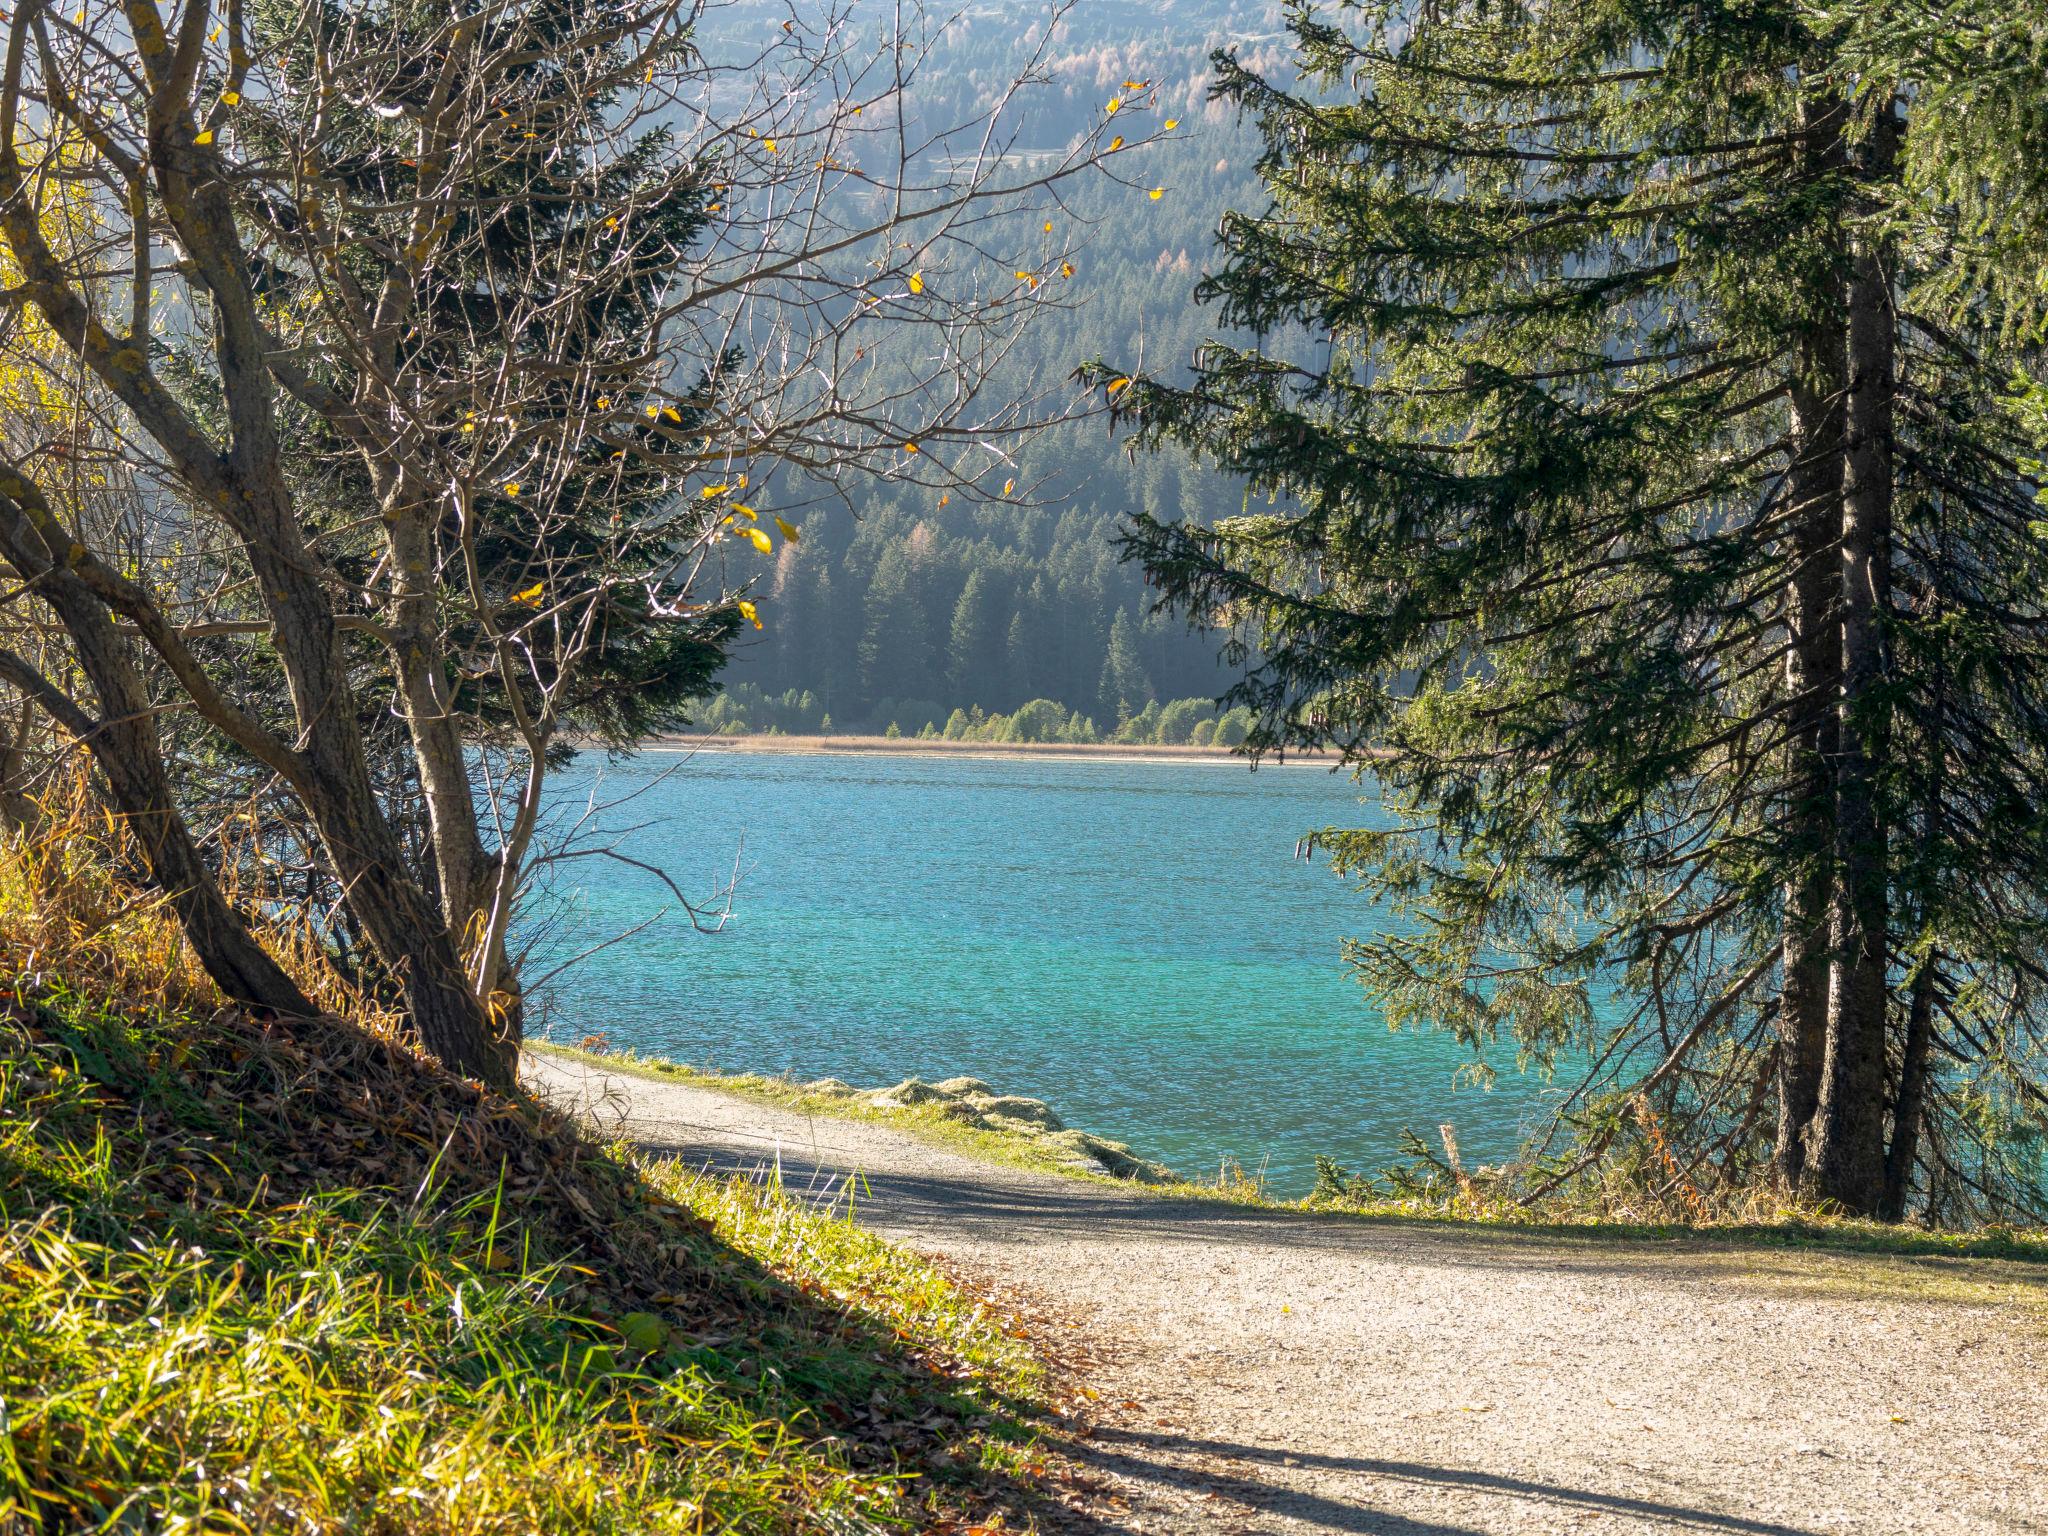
1142	1456
1006	1206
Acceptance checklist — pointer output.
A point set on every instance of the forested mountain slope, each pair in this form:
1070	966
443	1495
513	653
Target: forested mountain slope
907	602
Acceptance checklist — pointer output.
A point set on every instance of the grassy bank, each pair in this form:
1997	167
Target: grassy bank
256	1277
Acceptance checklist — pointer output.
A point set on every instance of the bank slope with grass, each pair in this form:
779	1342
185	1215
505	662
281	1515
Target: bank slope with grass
265	1277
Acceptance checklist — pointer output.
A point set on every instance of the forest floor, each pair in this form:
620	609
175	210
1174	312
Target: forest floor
1239	1369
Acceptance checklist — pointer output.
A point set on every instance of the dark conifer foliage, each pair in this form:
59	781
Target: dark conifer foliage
1654	503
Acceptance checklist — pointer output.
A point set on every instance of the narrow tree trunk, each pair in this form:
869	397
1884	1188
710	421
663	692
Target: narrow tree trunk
1813	665
1813	680
1909	1107
17	810
1845	1159
1912	1099
405	928
425	692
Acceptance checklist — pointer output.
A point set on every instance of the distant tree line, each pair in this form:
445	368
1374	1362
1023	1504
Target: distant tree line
744	710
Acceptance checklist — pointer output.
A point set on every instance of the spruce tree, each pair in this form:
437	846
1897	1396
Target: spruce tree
1645	515
1124	685
973	641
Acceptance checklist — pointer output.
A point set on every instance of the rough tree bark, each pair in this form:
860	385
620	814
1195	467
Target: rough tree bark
1845	1162
1912	1099
1813	663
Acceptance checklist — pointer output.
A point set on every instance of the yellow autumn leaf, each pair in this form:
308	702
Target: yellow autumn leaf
672	414
530	597
1023	276
1066	269
231	98
511	487
750	613
741	482
1157	193
769	145
1116	143
760	540
1048	226
654	410
746	511
917	282
945	498
710	491
788	531
206	137
1009	486
1118	386
910	447
604	402
1172	123
1114	103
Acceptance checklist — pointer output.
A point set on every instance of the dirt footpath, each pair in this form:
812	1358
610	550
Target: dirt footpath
1284	1373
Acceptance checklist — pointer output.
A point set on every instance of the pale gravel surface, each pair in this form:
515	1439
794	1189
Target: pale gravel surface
1283	1373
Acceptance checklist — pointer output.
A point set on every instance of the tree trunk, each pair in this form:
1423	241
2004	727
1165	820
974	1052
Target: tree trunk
1909	1107
1813	681
426	695
1813	665
1845	1158
1906	1116
17	810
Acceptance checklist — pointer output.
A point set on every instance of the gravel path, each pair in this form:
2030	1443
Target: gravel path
1282	1373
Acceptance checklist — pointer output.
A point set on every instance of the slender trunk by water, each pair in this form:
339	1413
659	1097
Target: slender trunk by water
1813	664
1845	1149
1910	1104
1813	681
1912	1100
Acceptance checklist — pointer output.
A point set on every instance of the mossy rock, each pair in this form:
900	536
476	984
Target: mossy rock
830	1087
1035	1114
965	1087
911	1091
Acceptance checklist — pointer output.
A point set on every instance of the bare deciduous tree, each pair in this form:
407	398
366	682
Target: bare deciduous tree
452	344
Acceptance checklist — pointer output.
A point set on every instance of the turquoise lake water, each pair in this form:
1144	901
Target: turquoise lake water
1133	941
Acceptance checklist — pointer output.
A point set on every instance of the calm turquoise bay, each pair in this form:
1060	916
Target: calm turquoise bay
1133	941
